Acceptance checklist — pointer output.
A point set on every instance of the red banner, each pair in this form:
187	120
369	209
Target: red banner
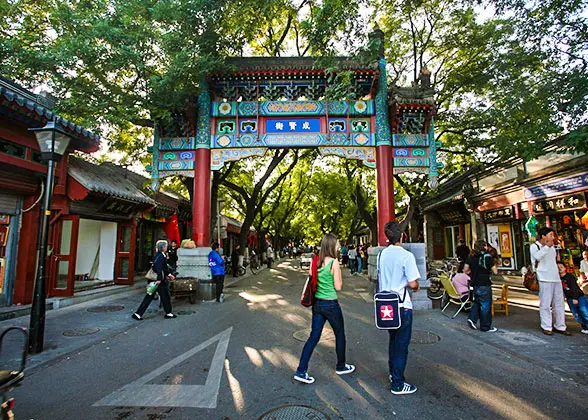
172	229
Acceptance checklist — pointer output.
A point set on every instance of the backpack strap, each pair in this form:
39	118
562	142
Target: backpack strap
378	285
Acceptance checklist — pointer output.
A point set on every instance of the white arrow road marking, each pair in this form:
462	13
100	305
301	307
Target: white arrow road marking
141	394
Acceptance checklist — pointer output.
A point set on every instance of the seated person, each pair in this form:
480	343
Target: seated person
576	299
461	282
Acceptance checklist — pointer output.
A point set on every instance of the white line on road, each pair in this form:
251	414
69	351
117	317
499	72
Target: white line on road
141	394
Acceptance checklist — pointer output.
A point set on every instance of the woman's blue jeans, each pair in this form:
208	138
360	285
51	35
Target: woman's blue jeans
322	311
482	307
580	310
359	265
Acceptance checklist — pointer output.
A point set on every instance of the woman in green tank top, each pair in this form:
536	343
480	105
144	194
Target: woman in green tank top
326	308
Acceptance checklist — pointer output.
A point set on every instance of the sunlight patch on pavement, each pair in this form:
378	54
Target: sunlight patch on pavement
254	356
235	386
502	403
295	319
278	357
282	302
259	298
372	393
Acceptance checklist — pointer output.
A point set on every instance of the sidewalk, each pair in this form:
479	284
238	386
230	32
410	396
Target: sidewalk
75	323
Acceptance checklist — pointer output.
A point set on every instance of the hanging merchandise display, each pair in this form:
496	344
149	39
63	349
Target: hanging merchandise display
531	226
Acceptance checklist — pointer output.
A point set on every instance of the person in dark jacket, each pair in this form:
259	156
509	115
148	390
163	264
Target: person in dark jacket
235	260
479	266
172	255
577	301
163	276
217	269
462	252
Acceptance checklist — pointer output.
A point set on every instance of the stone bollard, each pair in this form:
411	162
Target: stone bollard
193	262
420	301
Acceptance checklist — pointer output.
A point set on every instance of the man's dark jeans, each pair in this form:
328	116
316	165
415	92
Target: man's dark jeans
482	307
322	311
398	348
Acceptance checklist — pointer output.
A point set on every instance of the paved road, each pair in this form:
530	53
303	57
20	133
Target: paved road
236	360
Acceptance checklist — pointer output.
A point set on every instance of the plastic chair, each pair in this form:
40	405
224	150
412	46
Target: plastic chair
502	302
452	296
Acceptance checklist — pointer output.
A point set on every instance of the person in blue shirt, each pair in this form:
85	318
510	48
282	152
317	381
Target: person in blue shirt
217	269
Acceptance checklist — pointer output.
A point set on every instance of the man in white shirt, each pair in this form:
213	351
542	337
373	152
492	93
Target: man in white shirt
397	270
270	256
551	297
352	258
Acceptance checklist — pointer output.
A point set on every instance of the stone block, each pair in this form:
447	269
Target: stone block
420	301
194	263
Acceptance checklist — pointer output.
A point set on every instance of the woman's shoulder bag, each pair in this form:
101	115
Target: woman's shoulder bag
530	280
307	298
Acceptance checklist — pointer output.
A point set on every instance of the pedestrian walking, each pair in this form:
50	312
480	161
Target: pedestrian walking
344	256
270	256
576	299
397	272
326	308
358	259
551	296
172	256
217	269
479	266
352	258
462	252
235	260
160	266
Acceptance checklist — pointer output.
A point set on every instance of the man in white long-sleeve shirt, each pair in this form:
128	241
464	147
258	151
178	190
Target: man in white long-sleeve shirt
551	298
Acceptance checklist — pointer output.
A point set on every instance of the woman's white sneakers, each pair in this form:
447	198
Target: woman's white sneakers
303	377
137	317
347	369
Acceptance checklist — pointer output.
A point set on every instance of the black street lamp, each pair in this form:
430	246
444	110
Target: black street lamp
53	142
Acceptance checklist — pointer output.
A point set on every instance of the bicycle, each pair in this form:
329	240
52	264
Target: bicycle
229	268
438	269
254	265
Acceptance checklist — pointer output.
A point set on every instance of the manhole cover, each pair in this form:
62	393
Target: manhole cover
294	412
186	312
424	337
80	331
106	308
303	335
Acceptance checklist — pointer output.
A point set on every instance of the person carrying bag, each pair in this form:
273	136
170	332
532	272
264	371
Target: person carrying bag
325	307
161	268
397	271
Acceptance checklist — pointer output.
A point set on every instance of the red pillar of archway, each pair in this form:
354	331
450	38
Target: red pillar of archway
201	198
385	186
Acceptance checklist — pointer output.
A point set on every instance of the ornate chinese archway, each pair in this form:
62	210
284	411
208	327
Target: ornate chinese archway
262	103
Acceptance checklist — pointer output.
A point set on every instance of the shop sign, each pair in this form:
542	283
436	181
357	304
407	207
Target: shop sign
553	188
502	213
566	202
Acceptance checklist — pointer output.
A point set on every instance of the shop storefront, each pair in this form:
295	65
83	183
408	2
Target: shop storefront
505	233
9	217
568	216
561	204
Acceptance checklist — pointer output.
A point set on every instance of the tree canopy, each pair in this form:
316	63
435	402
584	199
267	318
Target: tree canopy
509	76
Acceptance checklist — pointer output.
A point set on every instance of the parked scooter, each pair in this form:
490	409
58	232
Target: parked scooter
11	378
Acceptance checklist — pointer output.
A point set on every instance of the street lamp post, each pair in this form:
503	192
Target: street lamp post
53	142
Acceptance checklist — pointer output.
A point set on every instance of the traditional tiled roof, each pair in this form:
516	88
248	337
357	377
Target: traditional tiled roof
23	101
106	179
261	65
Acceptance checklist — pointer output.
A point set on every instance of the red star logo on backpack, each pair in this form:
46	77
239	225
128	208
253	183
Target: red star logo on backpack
386	312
